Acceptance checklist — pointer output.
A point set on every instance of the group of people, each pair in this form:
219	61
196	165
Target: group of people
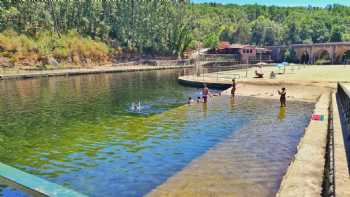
206	93
204	97
260	74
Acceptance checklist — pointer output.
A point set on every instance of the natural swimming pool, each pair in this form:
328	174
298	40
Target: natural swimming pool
81	133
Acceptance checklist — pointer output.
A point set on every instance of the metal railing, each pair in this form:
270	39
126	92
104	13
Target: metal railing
343	97
217	73
218	57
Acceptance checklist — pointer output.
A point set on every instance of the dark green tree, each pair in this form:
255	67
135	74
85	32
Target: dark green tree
290	56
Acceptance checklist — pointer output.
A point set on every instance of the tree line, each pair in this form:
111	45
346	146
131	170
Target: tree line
169	27
152	26
270	25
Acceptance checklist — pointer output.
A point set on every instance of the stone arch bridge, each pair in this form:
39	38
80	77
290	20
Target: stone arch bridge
333	52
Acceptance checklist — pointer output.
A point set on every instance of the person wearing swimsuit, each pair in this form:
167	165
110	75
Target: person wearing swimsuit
283	97
233	89
205	93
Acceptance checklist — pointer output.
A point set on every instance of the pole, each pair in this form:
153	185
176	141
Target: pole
217	74
203	73
246	71
260	57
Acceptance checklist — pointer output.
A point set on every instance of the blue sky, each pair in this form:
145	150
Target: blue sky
320	3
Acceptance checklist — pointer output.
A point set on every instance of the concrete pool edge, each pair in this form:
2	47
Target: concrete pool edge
33	185
304	176
86	71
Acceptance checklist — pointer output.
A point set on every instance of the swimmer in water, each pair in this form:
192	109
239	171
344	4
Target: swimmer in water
283	94
205	93
190	100
136	107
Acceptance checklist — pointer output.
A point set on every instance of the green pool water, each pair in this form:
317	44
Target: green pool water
81	132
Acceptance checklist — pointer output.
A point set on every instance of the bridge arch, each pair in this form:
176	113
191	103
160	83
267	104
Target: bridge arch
345	59
315	51
323	56
305	57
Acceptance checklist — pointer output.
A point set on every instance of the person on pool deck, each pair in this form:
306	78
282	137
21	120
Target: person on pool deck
205	93
233	89
272	75
283	93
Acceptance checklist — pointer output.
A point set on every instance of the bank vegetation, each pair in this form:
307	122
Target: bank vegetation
59	33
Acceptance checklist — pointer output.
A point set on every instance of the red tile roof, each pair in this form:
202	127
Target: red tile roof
224	45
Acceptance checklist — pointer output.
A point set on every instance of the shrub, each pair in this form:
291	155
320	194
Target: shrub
72	44
322	61
25	50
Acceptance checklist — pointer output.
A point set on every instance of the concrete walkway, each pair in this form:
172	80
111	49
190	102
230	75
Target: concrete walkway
311	73
81	71
320	76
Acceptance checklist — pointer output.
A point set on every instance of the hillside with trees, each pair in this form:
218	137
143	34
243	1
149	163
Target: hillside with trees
96	32
270	25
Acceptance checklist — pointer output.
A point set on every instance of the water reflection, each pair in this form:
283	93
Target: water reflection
232	103
79	131
282	113
205	109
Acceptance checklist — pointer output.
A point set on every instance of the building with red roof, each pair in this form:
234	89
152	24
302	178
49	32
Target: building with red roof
245	54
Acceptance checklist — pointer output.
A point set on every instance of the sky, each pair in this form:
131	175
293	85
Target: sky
318	3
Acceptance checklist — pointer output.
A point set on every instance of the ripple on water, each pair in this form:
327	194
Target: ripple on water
86	139
251	160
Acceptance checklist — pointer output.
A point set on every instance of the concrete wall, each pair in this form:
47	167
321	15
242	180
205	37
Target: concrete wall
342	178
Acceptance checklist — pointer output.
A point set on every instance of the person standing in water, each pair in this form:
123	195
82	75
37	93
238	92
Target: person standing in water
233	89
205	93
190	100
283	97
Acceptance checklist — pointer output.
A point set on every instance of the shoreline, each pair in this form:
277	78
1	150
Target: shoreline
304	91
85	71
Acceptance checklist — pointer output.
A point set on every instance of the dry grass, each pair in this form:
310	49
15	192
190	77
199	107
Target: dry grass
70	48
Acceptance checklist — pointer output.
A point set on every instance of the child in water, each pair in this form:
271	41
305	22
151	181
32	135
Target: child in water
190	100
283	94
